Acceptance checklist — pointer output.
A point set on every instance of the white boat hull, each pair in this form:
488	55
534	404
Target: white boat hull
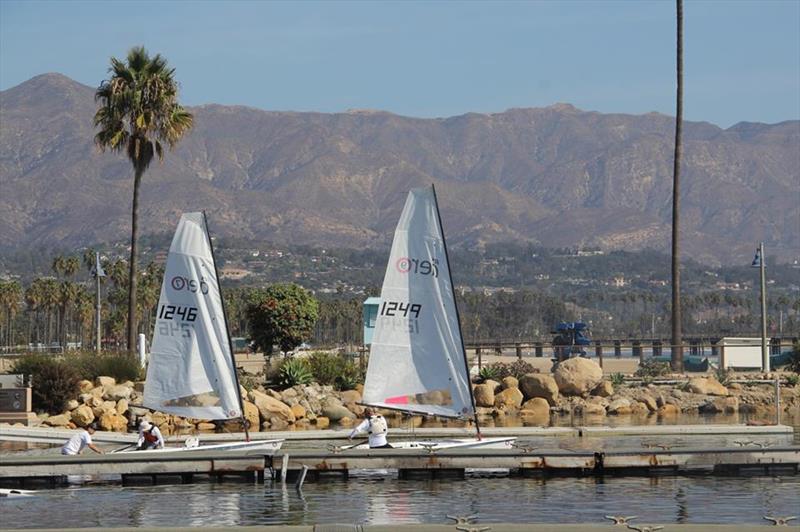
14	493
439	445
266	447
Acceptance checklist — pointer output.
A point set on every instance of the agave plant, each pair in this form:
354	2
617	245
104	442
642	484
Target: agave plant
294	371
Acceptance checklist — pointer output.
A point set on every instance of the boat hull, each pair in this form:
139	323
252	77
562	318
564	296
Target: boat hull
457	443
265	447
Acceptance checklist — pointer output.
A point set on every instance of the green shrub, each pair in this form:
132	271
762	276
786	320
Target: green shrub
293	371
121	366
325	367
724	376
794	362
617	379
515	369
54	381
792	379
488	373
335	370
649	369
248	380
350	376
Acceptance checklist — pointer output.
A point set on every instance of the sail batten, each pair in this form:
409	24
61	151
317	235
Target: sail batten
190	371
416	358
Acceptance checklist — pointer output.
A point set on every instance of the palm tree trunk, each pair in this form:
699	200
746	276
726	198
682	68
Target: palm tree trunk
132	266
677	341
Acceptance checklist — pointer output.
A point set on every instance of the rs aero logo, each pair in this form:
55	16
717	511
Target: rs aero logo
421	267
184	283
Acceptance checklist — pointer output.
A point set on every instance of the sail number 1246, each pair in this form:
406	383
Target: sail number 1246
177	312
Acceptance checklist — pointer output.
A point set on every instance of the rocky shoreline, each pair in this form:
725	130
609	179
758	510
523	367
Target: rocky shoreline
577	386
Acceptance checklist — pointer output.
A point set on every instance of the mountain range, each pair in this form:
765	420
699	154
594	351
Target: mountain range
556	176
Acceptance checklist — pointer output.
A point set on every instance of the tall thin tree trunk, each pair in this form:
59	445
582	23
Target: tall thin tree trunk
132	266
677	340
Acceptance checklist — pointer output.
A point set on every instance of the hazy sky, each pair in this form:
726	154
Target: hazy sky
742	58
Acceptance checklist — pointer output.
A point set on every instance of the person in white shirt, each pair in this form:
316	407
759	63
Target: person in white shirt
374	425
149	437
80	441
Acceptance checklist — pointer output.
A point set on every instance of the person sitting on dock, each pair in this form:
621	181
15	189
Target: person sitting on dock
375	425
80	441
149	437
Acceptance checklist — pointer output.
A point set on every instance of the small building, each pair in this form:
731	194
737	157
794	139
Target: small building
369	315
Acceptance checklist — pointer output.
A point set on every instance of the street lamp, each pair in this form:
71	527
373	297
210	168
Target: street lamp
760	262
97	272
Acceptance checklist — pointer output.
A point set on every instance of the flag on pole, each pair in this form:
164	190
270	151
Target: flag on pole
97	271
757	259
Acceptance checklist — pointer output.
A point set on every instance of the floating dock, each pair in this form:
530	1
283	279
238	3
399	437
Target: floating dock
579	451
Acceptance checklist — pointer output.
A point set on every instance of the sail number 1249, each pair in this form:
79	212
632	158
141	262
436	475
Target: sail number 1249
401	309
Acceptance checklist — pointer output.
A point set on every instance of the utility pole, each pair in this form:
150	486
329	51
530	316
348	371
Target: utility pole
98	273
759	262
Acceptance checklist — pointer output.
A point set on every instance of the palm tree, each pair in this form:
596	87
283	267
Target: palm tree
677	342
10	298
139	111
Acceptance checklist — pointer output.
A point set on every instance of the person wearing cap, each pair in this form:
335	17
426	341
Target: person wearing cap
80	441
374	425
149	437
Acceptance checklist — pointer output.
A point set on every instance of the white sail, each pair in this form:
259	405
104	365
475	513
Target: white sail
190	371
416	358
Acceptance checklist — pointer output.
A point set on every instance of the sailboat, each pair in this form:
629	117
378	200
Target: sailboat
191	370
417	361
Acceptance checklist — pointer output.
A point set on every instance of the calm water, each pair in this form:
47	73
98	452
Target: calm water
383	500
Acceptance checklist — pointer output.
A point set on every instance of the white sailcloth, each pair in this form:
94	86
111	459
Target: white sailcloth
190	371
416	359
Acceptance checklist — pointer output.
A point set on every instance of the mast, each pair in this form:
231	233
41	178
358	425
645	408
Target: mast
227	330
458	315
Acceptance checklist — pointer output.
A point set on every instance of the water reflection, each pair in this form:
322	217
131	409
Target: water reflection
383	500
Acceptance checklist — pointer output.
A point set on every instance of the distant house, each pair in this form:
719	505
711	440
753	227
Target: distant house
369	315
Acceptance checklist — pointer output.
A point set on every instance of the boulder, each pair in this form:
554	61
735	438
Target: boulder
577	376
205	426
494	384
82	416
61	420
647	399
299	411
287	394
84	398
706	386
137	411
536	406
117	392
728	405
539	385
593	409
510	382
668	409
508	399
105	381
336	413
322	422
98	391
347	421
111	421
268	406
619	407
122	407
72	404
84	386
251	414
604	389
484	395
350	396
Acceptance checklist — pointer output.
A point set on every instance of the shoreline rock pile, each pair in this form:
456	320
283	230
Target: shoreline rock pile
576	387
